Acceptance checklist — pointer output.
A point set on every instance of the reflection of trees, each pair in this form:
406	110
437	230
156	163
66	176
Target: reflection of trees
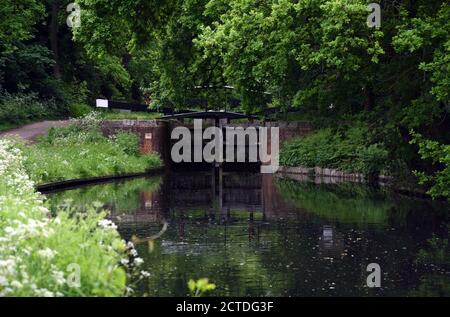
122	195
284	259
433	285
235	266
436	258
246	253
346	203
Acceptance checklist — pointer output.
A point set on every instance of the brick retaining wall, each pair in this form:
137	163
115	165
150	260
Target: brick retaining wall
153	134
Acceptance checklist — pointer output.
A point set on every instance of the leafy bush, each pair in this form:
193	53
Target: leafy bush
372	159
439	155
69	254
309	151
128	142
78	110
344	150
22	108
200	287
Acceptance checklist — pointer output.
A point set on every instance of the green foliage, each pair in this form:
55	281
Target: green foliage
439	155
18	20
437	255
200	287
429	30
317	56
26	68
115	115
372	159
125	196
346	203
310	151
437	252
345	150
67	254
78	110
80	151
265	48
23	108
128	142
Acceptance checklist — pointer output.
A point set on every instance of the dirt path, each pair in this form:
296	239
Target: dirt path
31	131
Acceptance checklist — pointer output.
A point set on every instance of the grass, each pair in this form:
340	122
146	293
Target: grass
117	115
5	126
64	254
61	250
81	151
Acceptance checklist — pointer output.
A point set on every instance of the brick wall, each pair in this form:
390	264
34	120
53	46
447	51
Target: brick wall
289	130
153	134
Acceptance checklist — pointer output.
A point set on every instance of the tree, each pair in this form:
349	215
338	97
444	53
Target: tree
18	21
439	155
302	53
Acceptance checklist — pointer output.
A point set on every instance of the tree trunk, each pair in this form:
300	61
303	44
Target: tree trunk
370	98
54	28
126	59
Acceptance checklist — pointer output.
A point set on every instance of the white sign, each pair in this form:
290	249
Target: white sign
102	103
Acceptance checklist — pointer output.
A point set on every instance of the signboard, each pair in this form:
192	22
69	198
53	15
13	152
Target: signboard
102	103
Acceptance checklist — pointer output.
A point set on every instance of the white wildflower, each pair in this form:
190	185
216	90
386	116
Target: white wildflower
138	261
58	276
16	284
47	253
133	253
107	224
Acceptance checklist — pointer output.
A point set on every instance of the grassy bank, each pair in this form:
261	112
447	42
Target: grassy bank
344	150
80	150
351	150
65	254
117	115
20	109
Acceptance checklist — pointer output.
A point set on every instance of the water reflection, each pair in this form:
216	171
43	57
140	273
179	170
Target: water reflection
263	235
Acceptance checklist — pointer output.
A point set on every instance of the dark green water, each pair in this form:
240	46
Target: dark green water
255	235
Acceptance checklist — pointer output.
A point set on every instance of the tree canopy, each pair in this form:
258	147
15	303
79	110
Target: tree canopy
317	56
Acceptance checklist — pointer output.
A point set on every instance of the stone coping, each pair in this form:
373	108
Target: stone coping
328	172
74	183
124	123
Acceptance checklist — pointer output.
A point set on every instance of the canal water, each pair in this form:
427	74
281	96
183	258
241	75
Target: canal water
266	235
